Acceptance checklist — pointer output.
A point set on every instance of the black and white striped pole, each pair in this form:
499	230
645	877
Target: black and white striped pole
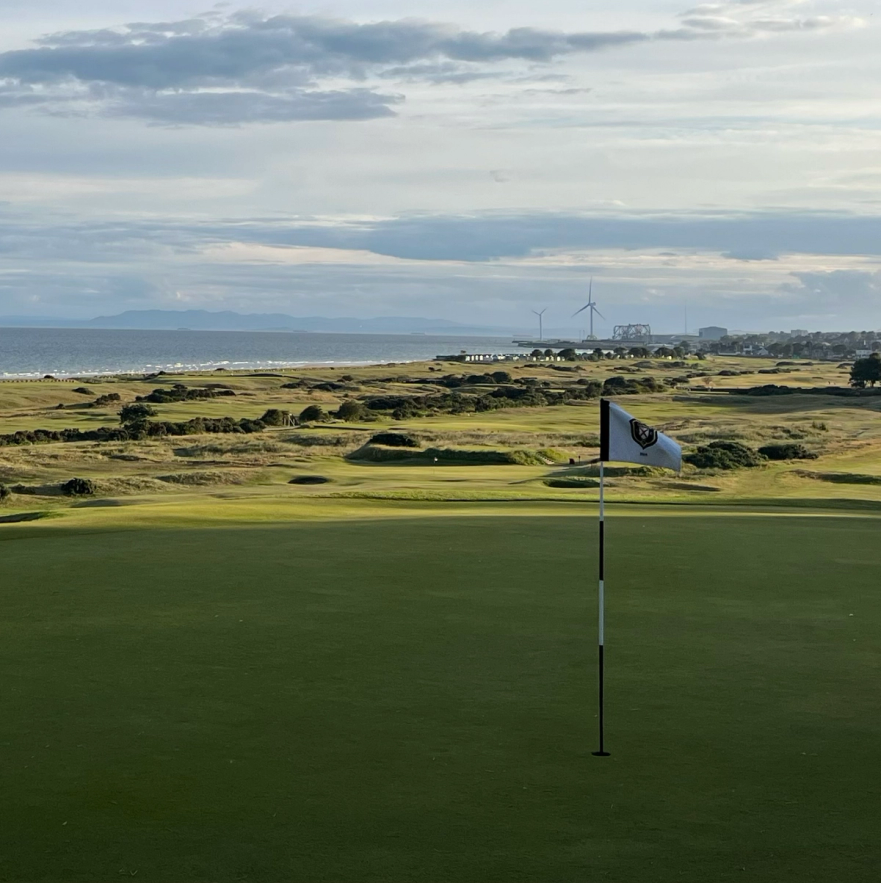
601	621
602	613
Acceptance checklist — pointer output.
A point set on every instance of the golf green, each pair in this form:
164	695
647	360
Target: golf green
414	700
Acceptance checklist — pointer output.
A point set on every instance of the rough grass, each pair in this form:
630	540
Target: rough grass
841	477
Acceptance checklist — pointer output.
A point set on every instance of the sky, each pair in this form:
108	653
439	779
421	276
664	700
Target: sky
717	163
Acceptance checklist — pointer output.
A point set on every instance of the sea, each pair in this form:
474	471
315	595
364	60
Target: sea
84	352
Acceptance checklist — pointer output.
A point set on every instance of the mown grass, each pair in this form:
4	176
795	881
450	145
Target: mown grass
412	698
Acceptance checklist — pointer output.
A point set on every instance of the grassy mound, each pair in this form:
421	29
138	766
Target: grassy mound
572	482
380	454
207	477
840	477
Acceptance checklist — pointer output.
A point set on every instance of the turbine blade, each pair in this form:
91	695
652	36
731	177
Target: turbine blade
588	304
599	314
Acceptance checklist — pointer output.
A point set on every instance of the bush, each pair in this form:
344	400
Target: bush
351	411
137	413
84	391
312	414
724	455
181	393
5	493
394	440
276	417
107	399
78	487
787	452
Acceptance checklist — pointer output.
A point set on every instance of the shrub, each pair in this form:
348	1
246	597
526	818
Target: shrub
78	487
312	413
5	493
394	440
181	393
724	455
501	377
84	391
107	399
276	417
789	451
351	411
136	413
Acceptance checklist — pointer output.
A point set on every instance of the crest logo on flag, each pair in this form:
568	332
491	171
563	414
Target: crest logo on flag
643	435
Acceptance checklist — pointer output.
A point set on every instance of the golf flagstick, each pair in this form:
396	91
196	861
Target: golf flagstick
623	439
602	615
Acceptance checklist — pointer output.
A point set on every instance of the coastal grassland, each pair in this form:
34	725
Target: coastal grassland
844	433
391	694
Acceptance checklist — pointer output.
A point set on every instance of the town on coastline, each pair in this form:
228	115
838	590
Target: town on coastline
637	341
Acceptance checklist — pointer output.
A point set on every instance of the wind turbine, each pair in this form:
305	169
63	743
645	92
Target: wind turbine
591	305
540	314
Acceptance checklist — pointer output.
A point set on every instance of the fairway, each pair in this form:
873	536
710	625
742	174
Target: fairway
412	699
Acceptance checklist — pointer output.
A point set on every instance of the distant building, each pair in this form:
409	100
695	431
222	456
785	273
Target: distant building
799	332
712	332
489	357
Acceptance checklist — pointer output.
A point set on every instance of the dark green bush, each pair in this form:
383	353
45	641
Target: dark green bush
351	411
5	493
724	455
107	399
395	440
78	487
789	451
136	413
312	414
276	417
84	391
181	393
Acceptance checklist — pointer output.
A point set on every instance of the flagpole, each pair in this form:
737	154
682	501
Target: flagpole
602	612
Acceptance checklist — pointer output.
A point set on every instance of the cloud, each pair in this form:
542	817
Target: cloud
644	267
251	67
826	293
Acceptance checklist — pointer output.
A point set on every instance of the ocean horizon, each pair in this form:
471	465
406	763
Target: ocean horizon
27	353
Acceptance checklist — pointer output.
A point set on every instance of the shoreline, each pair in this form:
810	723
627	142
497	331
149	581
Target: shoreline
210	368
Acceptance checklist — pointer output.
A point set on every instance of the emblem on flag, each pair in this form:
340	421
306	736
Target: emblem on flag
624	439
644	436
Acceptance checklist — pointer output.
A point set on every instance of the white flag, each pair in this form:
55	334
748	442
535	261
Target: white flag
624	439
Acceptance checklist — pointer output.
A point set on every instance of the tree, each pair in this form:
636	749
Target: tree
136	413
536	354
569	354
866	372
312	413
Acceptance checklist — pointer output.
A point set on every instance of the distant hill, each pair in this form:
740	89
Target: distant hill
206	320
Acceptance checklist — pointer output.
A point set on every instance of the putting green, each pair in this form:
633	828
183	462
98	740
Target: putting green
413	699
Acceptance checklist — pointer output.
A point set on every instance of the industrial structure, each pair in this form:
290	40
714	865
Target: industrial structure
637	333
